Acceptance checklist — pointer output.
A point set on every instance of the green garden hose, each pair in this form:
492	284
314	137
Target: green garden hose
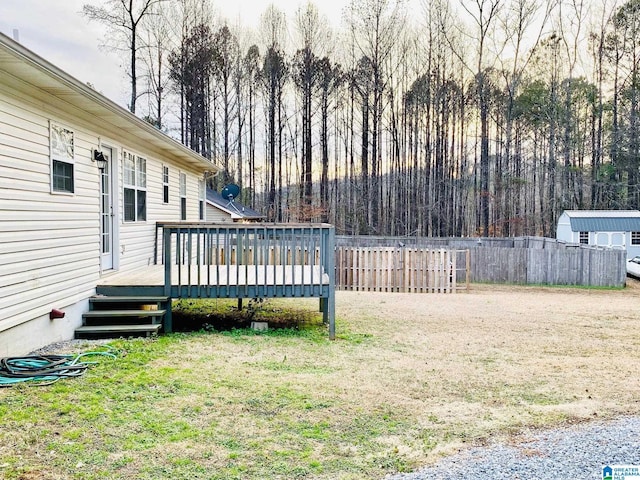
44	369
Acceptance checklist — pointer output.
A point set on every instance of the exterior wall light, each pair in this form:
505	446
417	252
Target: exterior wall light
100	159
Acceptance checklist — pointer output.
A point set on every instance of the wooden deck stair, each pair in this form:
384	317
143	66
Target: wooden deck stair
122	315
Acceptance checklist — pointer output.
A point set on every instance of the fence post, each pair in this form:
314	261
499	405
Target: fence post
468	269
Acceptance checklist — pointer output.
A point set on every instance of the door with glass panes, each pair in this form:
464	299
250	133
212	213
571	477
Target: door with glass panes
106	211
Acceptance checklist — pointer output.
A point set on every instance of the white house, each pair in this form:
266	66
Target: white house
607	228
82	184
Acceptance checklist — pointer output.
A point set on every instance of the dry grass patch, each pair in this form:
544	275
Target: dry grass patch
410	377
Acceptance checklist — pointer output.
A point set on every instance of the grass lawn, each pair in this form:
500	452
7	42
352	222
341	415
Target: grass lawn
410	378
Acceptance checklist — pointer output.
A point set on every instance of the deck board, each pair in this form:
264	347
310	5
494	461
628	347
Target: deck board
223	275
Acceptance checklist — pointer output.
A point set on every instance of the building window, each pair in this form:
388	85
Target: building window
61	147
62	176
617	239
183	196
635	238
584	238
201	191
603	239
165	184
135	188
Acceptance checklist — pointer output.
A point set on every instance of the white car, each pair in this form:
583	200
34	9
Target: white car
633	266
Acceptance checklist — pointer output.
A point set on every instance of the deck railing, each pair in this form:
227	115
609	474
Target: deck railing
250	261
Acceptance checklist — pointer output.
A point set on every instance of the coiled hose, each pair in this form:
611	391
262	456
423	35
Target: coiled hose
44	369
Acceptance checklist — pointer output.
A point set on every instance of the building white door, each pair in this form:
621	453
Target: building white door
106	211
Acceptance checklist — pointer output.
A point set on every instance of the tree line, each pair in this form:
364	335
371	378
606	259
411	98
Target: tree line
464	117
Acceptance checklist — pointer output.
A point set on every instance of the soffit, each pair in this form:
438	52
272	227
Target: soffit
48	83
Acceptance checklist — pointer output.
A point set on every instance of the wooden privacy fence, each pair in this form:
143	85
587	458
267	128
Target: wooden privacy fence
520	260
402	269
597	267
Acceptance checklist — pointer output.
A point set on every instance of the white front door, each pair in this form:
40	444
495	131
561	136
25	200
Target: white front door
106	212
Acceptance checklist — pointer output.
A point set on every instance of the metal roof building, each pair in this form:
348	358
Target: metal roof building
604	220
607	228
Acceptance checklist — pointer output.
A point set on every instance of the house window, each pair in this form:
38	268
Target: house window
61	147
165	184
584	238
135	188
635	238
183	196
201	191
62	176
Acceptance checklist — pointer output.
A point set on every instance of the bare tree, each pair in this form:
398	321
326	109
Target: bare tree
623	54
273	77
484	15
251	67
330	78
374	27
157	43
191	69
523	23
312	33
598	47
124	18
227	48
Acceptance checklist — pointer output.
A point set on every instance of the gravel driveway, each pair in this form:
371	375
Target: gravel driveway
573	453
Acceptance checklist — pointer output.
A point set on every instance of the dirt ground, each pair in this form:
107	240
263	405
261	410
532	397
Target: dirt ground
503	358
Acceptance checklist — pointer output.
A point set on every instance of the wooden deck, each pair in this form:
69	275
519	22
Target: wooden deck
205	260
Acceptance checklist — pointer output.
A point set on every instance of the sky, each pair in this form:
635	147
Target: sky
57	31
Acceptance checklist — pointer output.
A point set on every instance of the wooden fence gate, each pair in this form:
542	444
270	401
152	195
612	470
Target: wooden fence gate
400	269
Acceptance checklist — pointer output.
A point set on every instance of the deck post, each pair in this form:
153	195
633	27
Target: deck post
166	238
168	318
329	306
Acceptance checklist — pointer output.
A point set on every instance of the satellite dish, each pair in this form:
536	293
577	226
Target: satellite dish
230	191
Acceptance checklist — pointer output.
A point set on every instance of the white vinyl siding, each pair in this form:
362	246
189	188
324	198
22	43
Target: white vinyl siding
216	215
49	242
50	255
192	197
